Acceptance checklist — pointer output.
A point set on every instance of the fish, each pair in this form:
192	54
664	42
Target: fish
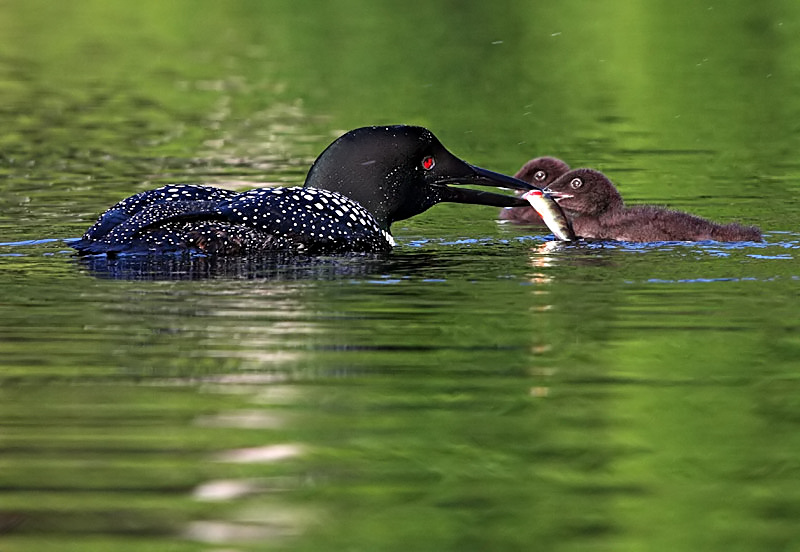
551	214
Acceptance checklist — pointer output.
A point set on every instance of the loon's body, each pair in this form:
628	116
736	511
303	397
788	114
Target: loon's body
212	220
362	183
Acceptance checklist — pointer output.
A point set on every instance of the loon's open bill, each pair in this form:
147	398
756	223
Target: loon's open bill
483	177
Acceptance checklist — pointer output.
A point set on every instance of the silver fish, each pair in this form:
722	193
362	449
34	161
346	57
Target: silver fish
551	214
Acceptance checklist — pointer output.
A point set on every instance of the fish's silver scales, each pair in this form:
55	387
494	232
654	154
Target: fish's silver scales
551	214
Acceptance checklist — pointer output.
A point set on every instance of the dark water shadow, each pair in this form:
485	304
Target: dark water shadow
408	261
275	266
271	267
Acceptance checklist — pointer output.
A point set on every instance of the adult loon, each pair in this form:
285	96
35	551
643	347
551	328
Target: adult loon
359	185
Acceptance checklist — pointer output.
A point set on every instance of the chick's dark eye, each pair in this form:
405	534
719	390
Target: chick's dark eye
428	162
576	183
538	176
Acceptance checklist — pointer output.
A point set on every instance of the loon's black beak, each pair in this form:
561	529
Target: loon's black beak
482	177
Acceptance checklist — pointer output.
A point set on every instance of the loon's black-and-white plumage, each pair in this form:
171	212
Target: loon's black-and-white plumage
362	183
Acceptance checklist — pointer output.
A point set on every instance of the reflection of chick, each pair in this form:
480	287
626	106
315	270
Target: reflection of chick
540	172
595	208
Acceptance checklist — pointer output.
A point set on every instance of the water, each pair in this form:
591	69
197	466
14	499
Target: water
476	390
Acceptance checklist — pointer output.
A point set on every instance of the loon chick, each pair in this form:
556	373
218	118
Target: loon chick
596	210
540	171
363	182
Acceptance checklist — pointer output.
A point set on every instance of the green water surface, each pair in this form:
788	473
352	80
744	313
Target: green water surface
478	389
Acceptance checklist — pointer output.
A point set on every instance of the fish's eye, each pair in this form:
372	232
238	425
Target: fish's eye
428	162
576	183
538	176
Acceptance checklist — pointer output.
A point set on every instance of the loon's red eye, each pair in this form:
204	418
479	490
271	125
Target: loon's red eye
428	162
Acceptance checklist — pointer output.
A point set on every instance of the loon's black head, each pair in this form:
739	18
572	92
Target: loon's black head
397	172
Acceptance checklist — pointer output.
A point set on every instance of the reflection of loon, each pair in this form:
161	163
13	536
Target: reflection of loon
281	266
595	208
540	172
362	183
277	266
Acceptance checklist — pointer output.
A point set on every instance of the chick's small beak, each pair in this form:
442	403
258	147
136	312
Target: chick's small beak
558	196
